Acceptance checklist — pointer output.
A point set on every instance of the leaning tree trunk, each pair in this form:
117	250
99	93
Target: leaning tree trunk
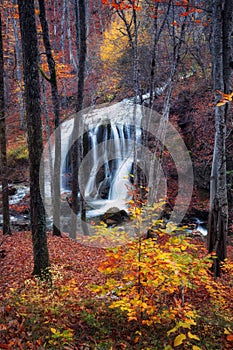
34	131
56	108
221	53
3	157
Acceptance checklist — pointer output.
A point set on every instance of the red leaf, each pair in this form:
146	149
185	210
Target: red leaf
230	337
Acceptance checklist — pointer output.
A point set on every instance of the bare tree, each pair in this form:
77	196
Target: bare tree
222	74
56	108
19	76
77	150
3	156
34	131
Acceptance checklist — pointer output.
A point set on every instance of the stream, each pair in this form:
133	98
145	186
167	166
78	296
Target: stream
21	222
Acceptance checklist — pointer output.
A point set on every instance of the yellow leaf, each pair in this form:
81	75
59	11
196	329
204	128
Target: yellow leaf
196	347
172	330
132	318
138	332
221	103
53	330
193	336
227	331
179	339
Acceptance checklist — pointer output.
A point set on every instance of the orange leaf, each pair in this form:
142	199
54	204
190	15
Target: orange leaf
221	103
230	337
175	24
225	96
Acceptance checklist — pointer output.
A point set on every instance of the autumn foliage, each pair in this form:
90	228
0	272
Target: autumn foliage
146	293
162	281
149	294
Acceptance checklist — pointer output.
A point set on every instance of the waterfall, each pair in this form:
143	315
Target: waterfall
112	161
92	138
105	170
124	162
114	138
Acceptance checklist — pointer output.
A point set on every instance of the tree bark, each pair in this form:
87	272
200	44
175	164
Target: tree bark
3	141
71	55
77	152
19	71
56	109
34	131
222	72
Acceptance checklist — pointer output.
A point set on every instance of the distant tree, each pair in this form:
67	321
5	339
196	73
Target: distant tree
34	131
3	156
56	108
18	69
222	80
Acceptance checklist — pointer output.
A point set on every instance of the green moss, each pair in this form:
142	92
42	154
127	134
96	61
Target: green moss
19	153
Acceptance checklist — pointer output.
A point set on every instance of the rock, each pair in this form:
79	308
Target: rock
114	216
12	190
100	176
21	225
196	233
104	188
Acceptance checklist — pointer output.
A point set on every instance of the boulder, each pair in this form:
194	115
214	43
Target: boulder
12	190
104	188
114	216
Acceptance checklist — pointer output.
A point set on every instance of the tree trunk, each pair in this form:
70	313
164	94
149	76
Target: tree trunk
71	56
48	138
3	156
77	152
34	130
18	71
56	109
157	33
221	52
7	64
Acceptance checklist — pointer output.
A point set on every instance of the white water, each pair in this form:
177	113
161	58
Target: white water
114	155
21	192
90	186
104	171
107	165
201	227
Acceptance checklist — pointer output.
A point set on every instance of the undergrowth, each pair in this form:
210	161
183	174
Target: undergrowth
18	152
159	294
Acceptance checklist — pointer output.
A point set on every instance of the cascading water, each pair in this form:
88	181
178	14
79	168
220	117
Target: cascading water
117	139
93	141
105	170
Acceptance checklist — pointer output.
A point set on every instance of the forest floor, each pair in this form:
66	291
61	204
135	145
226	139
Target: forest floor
69	316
